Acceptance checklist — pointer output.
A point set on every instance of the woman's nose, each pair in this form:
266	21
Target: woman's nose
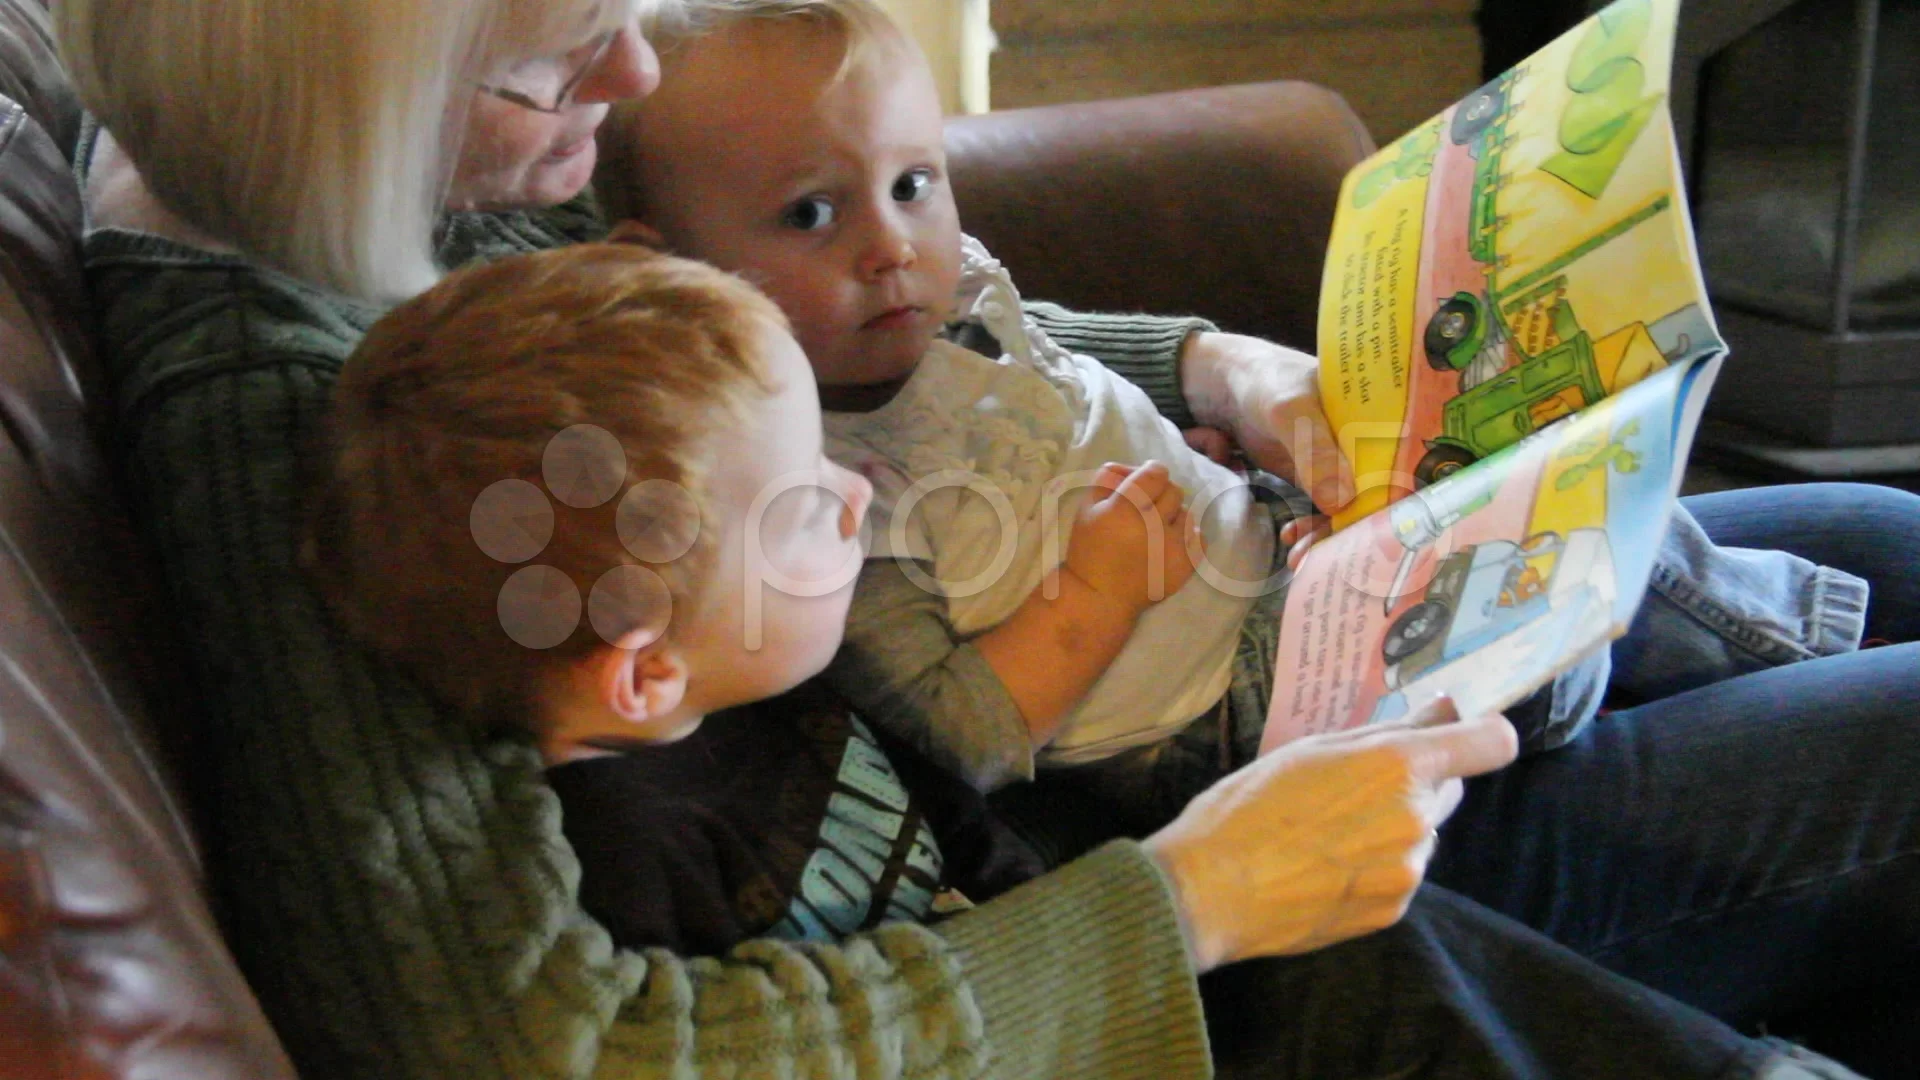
630	69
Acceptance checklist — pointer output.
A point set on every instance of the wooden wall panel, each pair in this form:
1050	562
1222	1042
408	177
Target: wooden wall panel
1397	61
1040	18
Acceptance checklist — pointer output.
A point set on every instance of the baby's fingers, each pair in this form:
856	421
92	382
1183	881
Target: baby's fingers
1110	477
1145	484
1171	502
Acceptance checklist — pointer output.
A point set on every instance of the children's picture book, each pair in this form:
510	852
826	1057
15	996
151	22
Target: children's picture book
1515	347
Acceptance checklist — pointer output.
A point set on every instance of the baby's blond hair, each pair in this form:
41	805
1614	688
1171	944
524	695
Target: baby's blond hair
863	26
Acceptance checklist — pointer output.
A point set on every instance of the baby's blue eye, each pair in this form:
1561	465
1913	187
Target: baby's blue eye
809	214
913	186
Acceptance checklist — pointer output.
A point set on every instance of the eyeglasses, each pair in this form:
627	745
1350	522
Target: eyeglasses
548	85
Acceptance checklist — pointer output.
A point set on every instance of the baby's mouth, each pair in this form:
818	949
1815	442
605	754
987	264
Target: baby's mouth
894	318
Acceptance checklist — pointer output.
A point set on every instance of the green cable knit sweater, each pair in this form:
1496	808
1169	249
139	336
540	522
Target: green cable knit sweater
400	893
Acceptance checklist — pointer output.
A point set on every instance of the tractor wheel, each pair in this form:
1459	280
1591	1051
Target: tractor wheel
1477	113
1453	322
1441	462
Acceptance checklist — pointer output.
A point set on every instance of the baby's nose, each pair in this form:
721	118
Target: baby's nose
858	493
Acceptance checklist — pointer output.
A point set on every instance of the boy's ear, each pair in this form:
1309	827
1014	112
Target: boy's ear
641	677
630	231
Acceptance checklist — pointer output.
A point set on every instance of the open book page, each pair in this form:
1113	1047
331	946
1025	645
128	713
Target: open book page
1491	581
1512	261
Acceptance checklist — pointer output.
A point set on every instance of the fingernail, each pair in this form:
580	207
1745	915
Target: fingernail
1444	710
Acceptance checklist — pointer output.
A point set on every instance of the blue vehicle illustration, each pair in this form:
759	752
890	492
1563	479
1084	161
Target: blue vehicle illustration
1493	617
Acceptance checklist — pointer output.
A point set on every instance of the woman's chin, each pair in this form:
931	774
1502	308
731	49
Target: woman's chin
558	177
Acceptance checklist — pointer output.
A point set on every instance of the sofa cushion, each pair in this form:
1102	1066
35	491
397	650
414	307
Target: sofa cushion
110	963
30	71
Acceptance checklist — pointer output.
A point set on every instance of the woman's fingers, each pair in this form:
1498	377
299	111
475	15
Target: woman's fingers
1442	802
1269	397
1212	442
1298	529
1437	744
1319	467
1325	838
1299	535
1469	747
1297	553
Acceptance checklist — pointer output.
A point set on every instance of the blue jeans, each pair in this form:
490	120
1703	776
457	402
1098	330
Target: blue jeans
1740	851
1714	609
1456	992
1750	846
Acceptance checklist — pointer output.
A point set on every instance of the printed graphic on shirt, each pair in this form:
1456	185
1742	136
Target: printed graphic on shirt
877	861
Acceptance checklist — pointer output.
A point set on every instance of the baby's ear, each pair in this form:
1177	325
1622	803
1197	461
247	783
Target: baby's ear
630	231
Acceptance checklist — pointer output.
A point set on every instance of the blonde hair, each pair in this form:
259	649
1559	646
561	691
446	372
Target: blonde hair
862	25
467	385
317	137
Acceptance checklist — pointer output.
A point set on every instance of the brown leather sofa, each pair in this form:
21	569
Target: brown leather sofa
111	961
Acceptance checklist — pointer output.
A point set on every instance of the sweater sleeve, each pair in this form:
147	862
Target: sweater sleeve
1143	349
402	896
903	667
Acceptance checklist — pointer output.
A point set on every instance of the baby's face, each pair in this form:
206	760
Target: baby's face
828	193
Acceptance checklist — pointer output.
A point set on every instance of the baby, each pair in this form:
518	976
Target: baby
1031	595
553	490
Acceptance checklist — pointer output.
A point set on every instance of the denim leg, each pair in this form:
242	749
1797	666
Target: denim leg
1750	847
1457	991
1867	530
1714	609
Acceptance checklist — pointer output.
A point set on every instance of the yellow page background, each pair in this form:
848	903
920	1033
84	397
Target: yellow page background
1632	259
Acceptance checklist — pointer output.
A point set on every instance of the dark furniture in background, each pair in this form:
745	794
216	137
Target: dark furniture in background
1799	126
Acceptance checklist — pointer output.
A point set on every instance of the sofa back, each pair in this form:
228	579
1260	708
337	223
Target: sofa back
110	963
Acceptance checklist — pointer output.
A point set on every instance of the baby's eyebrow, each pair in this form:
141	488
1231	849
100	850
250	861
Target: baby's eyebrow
805	170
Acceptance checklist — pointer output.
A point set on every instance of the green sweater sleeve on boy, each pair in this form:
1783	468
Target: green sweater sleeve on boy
400	892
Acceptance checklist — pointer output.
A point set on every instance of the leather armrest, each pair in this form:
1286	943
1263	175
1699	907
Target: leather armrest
30	71
1213	202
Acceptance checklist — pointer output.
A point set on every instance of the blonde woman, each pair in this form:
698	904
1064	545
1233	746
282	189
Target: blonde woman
266	177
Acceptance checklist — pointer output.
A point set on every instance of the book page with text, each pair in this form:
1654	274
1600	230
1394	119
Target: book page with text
1520	257
1489	582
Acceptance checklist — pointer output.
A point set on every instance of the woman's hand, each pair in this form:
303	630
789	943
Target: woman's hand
1300	534
1324	839
1267	397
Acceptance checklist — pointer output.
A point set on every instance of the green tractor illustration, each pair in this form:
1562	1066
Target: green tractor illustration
1507	393
1499	405
1414	160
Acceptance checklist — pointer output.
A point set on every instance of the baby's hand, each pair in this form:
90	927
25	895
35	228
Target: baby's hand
1130	542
